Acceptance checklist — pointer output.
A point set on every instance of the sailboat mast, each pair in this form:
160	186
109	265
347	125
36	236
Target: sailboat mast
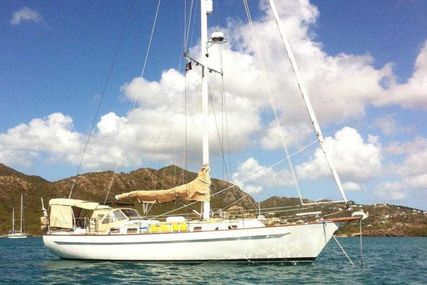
205	98
22	203
306	98
205	95
13	219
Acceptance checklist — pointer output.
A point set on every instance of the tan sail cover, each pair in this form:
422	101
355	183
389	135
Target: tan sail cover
196	190
61	211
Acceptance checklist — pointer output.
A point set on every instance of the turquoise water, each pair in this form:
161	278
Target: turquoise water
386	261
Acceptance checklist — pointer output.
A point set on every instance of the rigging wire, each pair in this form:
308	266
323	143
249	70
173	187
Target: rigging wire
216	13
136	97
345	253
222	112
157	153
186	124
151	40
270	95
190	27
254	174
174	167
307	102
280	209
187	32
166	144
225	111
184	43
285	168
188	142
217	129
102	97
249	211
194	22
184	32
228	136
187	28
224	115
146	209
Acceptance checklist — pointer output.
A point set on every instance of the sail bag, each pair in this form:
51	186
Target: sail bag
196	190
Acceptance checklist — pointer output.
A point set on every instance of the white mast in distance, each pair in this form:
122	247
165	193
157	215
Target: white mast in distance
205	9
13	219
306	98
22	204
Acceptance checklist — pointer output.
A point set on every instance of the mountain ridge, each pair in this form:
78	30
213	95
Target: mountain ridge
384	219
93	186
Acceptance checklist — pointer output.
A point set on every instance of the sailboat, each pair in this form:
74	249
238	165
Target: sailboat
78	229
13	233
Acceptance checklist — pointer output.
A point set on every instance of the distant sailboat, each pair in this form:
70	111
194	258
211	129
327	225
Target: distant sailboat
13	233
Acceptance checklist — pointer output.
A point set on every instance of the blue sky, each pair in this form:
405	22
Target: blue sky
391	32
364	62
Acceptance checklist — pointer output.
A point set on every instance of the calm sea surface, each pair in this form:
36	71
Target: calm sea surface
386	261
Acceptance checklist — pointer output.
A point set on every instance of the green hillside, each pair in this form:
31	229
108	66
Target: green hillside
94	187
383	220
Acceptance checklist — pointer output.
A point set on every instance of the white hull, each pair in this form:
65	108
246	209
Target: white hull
17	236
293	243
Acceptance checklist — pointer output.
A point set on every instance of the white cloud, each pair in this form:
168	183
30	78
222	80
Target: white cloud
389	125
413	93
26	14
110	123
411	172
247	99
394	191
334	82
415	146
53	135
418	181
166	92
341	87
352	186
294	134
253	178
399	189
56	137
413	169
162	104
355	160
17	157
414	163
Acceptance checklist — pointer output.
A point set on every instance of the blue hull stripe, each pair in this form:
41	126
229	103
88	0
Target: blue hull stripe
274	236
